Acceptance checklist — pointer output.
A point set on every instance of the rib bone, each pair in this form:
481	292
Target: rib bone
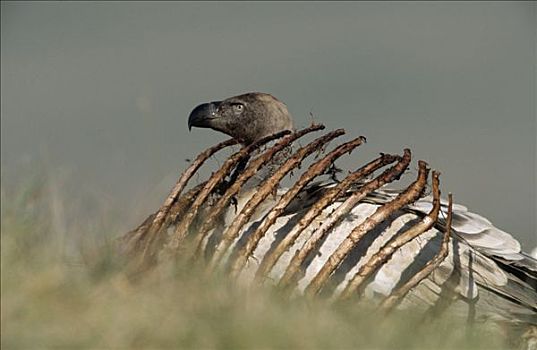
235	187
290	275
153	223
272	257
182	229
395	297
412	193
183	180
266	188
314	170
379	258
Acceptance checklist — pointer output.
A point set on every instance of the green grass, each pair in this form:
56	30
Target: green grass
50	300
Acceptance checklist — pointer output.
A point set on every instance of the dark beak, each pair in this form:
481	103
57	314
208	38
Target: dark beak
202	115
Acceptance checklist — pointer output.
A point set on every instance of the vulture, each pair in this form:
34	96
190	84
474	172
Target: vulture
357	236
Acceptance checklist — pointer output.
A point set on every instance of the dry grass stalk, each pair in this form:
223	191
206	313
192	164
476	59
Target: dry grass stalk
412	193
379	258
268	187
314	170
272	257
290	276
396	296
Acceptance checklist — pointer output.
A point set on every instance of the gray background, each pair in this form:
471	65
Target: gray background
100	92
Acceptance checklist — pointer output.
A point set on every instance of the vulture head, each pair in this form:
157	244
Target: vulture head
246	117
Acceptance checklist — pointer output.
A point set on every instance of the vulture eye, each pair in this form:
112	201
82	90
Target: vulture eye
238	107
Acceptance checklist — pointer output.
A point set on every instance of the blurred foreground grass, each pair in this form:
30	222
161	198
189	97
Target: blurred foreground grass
51	299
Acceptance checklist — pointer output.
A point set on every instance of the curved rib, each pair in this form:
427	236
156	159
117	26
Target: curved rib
216	178
268	186
314	170
235	187
395	297
412	193
152	224
183	180
379	258
270	259
290	275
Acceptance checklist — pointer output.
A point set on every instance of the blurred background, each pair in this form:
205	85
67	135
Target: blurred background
95	96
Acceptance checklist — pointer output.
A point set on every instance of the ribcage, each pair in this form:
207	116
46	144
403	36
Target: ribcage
342	238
